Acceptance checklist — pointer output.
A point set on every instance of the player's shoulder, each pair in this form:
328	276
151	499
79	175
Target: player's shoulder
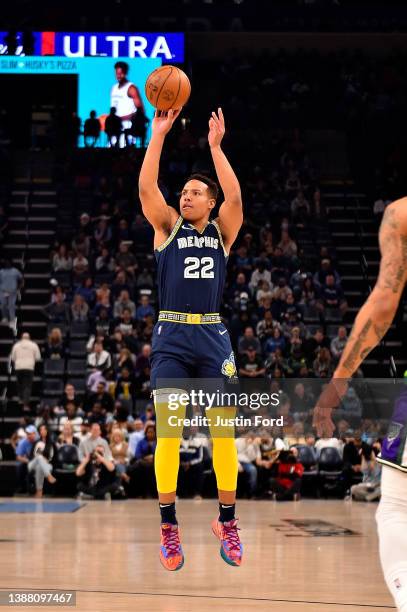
395	215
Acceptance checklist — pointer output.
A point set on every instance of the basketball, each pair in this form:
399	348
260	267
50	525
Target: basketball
168	87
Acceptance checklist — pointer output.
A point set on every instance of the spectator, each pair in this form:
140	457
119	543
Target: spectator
287	484
95	379
67	435
248	341
266	326
119	284
309	294
313	345
369	488
97	475
102	233
105	263
141	469
88	444
62	261
24	355
322	365
125	386
102	397
126	324
338	343
58	311
136	435
331	295
73	416
99	359
113	128
91	130
120	453
287	245
11	281
251	365
124	302
259	274
192	463
23	453
124	360
79	309
350	406
87	291
97	414
40	464
249	457
54	346
125	260
326	269
145	309
69	396
277	341
80	267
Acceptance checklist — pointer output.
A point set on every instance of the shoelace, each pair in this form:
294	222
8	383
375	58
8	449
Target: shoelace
232	537
171	541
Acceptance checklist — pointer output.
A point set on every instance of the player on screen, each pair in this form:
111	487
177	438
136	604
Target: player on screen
125	98
371	324
189	339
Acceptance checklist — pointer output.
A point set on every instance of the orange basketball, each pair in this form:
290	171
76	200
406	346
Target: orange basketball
168	87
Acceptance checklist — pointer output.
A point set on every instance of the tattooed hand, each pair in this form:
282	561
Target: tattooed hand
327	401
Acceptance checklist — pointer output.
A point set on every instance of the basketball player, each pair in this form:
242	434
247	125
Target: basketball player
371	324
189	339
125	98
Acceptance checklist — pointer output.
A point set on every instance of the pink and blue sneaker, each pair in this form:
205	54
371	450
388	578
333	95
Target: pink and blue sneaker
171	555
231	549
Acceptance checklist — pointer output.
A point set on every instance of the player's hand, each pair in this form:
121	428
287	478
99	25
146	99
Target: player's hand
216	129
163	120
327	401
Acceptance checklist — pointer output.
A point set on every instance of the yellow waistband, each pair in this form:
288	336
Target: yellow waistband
188	317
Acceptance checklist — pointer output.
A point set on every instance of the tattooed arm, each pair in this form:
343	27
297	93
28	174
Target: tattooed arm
377	313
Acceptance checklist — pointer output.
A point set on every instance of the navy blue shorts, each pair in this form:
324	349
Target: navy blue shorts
191	351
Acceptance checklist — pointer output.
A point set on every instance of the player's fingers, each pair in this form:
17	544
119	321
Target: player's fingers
221	117
215	118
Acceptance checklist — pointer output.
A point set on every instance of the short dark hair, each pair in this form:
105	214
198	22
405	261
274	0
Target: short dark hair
213	188
123	65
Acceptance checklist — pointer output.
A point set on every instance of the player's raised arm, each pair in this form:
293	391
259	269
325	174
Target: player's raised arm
155	208
231	211
377	313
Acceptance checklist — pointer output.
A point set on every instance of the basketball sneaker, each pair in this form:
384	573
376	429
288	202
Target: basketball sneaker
171	555
231	549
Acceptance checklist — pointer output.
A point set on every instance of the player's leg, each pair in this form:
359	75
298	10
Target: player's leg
225	465
391	520
217	363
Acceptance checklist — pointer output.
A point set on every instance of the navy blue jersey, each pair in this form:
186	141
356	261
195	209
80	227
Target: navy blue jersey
191	269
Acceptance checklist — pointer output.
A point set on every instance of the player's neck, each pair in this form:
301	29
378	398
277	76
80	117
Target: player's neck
199	225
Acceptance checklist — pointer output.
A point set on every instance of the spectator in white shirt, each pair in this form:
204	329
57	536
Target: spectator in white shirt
24	356
99	359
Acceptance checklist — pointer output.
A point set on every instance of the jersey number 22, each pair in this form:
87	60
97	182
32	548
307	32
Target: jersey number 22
198	268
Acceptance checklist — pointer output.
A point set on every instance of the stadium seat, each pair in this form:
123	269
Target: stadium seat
79	330
54	367
67	461
77	348
53	387
76	367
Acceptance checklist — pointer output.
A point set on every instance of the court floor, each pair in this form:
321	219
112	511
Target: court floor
306	556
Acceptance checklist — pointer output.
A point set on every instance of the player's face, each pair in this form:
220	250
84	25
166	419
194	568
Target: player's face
195	201
120	75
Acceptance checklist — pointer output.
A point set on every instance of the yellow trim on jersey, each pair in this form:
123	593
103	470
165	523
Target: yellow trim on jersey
172	235
188	318
220	236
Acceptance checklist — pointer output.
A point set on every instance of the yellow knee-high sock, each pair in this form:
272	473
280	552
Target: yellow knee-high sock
166	458
166	464
225	463
224	457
